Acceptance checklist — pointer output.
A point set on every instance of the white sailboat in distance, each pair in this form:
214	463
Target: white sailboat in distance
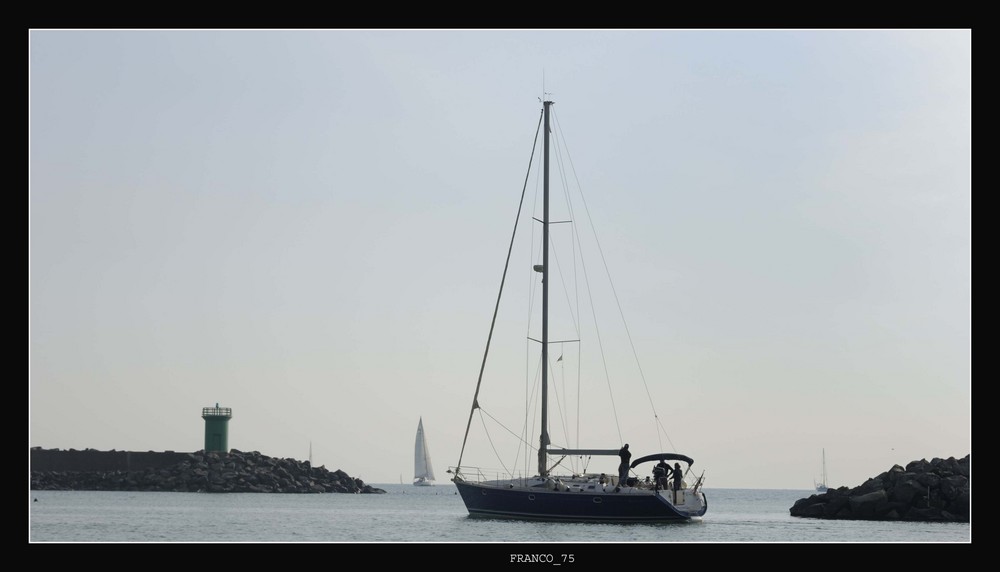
423	472
821	486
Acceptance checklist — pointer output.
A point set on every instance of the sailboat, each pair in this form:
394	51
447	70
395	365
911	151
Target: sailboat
423	472
821	485
563	487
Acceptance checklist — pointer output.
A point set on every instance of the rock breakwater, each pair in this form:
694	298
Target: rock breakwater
214	472
936	490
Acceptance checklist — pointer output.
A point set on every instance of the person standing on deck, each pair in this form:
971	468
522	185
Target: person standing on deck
626	456
660	472
678	476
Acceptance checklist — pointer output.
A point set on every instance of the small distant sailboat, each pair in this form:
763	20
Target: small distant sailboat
423	472
821	485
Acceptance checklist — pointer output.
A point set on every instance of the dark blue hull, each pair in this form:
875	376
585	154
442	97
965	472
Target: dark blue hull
529	504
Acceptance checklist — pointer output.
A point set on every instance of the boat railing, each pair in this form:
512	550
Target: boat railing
489	475
483	475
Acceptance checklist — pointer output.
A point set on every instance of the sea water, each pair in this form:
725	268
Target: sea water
435	514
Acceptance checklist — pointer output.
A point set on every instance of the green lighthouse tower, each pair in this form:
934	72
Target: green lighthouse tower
217	428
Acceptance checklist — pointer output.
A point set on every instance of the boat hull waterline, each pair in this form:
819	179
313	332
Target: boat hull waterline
501	501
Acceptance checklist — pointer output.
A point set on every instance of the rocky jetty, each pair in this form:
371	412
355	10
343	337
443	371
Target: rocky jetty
213	472
936	491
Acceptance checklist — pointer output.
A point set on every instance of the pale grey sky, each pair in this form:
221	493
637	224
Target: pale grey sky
309	227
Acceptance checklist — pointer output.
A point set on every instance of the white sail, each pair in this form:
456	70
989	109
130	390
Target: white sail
423	472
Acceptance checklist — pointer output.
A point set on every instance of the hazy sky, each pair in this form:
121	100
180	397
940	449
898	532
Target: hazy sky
310	227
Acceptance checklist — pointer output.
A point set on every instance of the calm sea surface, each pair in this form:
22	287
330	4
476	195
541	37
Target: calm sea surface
409	514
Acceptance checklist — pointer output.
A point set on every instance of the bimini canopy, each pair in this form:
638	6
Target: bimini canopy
662	457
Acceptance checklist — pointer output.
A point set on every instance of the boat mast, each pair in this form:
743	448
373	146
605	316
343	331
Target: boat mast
544	439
